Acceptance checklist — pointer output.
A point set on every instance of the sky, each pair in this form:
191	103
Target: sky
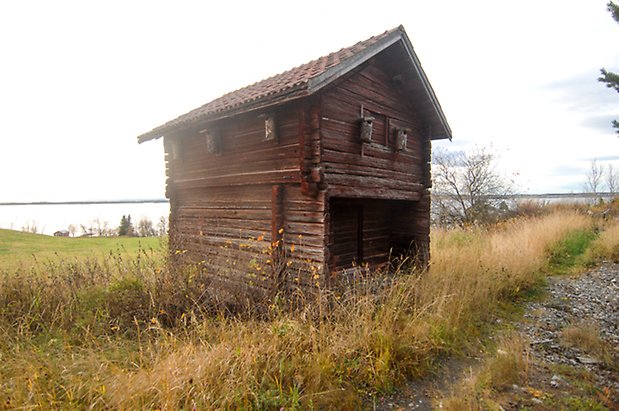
80	80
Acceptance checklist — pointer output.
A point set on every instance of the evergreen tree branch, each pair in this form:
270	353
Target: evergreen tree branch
611	79
614	10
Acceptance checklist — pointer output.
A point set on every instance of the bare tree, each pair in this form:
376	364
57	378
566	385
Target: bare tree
162	226
145	227
594	178
467	187
72	230
87	231
31	227
612	180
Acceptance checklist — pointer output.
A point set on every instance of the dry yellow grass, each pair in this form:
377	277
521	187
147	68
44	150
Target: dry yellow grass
331	354
606	246
472	268
508	365
587	338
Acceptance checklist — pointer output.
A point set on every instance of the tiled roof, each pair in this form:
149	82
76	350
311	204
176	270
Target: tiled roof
289	84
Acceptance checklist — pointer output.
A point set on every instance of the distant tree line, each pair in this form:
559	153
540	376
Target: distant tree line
145	227
601	179
99	228
126	228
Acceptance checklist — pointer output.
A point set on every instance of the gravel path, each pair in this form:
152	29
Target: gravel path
589	302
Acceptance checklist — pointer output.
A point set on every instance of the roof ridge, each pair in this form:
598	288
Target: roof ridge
282	83
307	63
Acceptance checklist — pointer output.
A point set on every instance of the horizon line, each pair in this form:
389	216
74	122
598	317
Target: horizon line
165	200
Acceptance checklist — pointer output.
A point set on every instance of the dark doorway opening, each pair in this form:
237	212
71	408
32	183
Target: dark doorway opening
369	231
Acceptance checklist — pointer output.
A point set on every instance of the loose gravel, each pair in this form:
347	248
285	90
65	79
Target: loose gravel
590	301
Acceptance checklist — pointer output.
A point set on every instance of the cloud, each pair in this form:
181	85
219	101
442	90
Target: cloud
584	93
609	158
601	123
602	159
567	170
458	144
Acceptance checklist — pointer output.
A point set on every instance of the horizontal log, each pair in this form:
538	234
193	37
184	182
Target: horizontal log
262	177
203	165
343	104
372	182
374	193
372	172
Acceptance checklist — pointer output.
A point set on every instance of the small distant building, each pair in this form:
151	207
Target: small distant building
327	163
61	233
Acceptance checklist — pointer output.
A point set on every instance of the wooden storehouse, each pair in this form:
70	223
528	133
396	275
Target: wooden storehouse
316	169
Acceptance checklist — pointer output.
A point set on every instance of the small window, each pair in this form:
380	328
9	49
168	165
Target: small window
213	143
270	128
367	125
401	139
174	150
400	135
372	127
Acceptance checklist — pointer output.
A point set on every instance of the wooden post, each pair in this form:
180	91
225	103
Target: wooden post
313	178
277	212
277	236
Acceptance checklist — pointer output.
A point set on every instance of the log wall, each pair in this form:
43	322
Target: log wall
240	212
261	214
379	199
371	170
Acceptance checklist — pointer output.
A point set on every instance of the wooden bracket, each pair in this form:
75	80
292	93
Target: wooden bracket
317	175
309	188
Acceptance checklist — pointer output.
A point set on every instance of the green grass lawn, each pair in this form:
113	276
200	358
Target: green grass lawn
18	248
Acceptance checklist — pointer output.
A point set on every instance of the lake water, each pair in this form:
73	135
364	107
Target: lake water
48	218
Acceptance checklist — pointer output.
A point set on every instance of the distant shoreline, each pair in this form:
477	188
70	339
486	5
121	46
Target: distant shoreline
165	200
545	196
151	201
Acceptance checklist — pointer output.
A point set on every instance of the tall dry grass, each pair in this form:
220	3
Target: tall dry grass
473	268
170	353
507	365
606	246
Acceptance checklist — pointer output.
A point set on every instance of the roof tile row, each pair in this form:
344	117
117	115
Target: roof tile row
281	84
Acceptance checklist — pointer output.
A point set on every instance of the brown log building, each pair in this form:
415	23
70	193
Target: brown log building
329	163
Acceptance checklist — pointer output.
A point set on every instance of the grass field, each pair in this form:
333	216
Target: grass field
19	248
127	333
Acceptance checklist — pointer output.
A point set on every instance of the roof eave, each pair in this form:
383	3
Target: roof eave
286	96
439	121
333	73
340	70
440	116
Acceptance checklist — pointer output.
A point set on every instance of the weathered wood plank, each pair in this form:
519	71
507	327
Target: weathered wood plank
240	179
373	193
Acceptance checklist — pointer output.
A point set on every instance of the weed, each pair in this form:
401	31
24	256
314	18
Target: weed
126	332
587	338
509	364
